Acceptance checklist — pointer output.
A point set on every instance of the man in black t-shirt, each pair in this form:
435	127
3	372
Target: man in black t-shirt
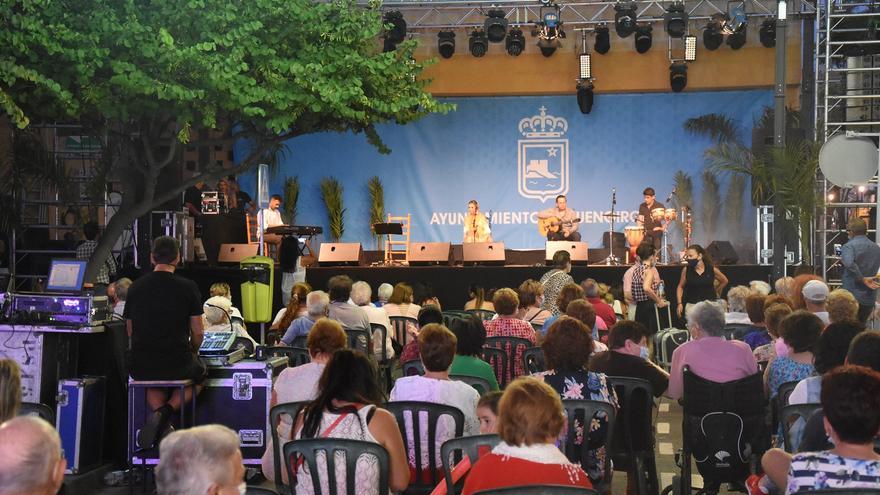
653	227
163	314
192	199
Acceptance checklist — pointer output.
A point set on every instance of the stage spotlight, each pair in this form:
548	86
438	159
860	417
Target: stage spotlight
495	26
644	38
585	96
678	76
603	39
515	42
586	67
478	44
397	33
625	18
737	39
446	43
676	19
767	33
548	48
549	30
690	48
712	37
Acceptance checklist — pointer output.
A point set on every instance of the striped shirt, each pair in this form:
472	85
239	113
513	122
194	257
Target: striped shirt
823	470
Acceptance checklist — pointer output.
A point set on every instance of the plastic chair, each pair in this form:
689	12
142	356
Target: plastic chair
737	331
480	384
360	340
42	411
296	356
300	341
497	358
353	450
412	368
469	446
284	409
781	400
384	362
510	346
539	490
483	314
538	327
412	438
257	490
398	324
789	415
533	360
633	447
584	411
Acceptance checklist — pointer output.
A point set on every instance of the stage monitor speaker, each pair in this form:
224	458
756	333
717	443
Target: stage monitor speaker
619	240
483	253
429	253
340	253
722	253
577	250
234	253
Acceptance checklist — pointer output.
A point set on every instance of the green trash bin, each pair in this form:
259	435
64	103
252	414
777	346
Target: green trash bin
256	290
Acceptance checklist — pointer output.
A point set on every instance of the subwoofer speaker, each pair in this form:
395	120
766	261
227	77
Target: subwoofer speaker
484	253
722	253
339	253
429	253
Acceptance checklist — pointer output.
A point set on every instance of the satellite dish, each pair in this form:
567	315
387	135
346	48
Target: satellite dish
848	161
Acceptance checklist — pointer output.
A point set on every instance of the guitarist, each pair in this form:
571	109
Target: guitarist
564	219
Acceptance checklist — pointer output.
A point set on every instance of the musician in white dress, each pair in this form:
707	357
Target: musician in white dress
476	225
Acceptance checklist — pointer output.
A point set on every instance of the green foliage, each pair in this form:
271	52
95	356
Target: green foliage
377	200
331	193
720	128
710	204
291	198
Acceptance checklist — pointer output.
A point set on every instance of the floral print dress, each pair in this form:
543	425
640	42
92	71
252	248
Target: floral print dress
585	385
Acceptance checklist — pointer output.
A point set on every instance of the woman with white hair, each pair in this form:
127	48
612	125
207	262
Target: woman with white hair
218	318
736	306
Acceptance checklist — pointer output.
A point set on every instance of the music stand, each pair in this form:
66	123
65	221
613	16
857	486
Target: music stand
388	229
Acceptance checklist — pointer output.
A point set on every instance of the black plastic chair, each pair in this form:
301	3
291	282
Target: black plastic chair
533	360
781	400
301	341
508	345
538	328
398	324
584	411
42	411
295	355
353	450
284	409
412	368
633	446
360	340
737	331
497	359
480	384
378	331
469	446
258	490
414	409
539	490
483	314
789	415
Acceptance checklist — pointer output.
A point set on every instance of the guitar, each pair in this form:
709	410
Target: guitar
553	224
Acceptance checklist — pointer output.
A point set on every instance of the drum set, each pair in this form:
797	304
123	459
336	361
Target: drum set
635	234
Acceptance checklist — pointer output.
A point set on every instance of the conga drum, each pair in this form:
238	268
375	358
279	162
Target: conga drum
669	214
634	236
658	214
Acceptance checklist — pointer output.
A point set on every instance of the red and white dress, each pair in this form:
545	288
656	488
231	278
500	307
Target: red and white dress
512	465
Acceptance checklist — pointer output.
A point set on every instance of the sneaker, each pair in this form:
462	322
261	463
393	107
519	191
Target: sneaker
753	485
155	424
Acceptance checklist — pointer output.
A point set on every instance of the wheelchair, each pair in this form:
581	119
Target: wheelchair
724	431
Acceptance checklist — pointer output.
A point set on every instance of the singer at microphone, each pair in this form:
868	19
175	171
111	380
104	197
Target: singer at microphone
651	217
476	225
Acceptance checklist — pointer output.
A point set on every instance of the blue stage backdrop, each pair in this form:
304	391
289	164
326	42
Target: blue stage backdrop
513	155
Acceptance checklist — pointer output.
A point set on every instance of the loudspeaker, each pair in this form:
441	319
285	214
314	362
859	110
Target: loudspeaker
429	253
339	253
619	240
722	253
484	253
234	253
577	250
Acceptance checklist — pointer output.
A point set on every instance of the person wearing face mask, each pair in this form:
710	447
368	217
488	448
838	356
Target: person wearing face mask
531	296
700	280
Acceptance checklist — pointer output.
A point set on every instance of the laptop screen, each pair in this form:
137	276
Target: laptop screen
66	275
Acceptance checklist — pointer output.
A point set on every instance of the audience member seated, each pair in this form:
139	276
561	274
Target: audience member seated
842	306
477	295
296	307
554	280
567	294
758	335
708	355
350	316
531	296
760	287
629	356
603	310
508	325
317	306
583	311
31	460
360	295
815	293
218	318
223	289
347	407
401	302
427	315
470	336
487	412
119	291
383	293
773	316
736	306
301	382
567	353
202	459
800	331
530	419
423	295
10	389
797	287
851	402
783	286
828	353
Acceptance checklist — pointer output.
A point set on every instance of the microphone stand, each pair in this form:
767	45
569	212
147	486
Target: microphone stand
611	259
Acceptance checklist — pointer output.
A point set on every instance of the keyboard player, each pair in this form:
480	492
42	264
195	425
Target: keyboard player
271	217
